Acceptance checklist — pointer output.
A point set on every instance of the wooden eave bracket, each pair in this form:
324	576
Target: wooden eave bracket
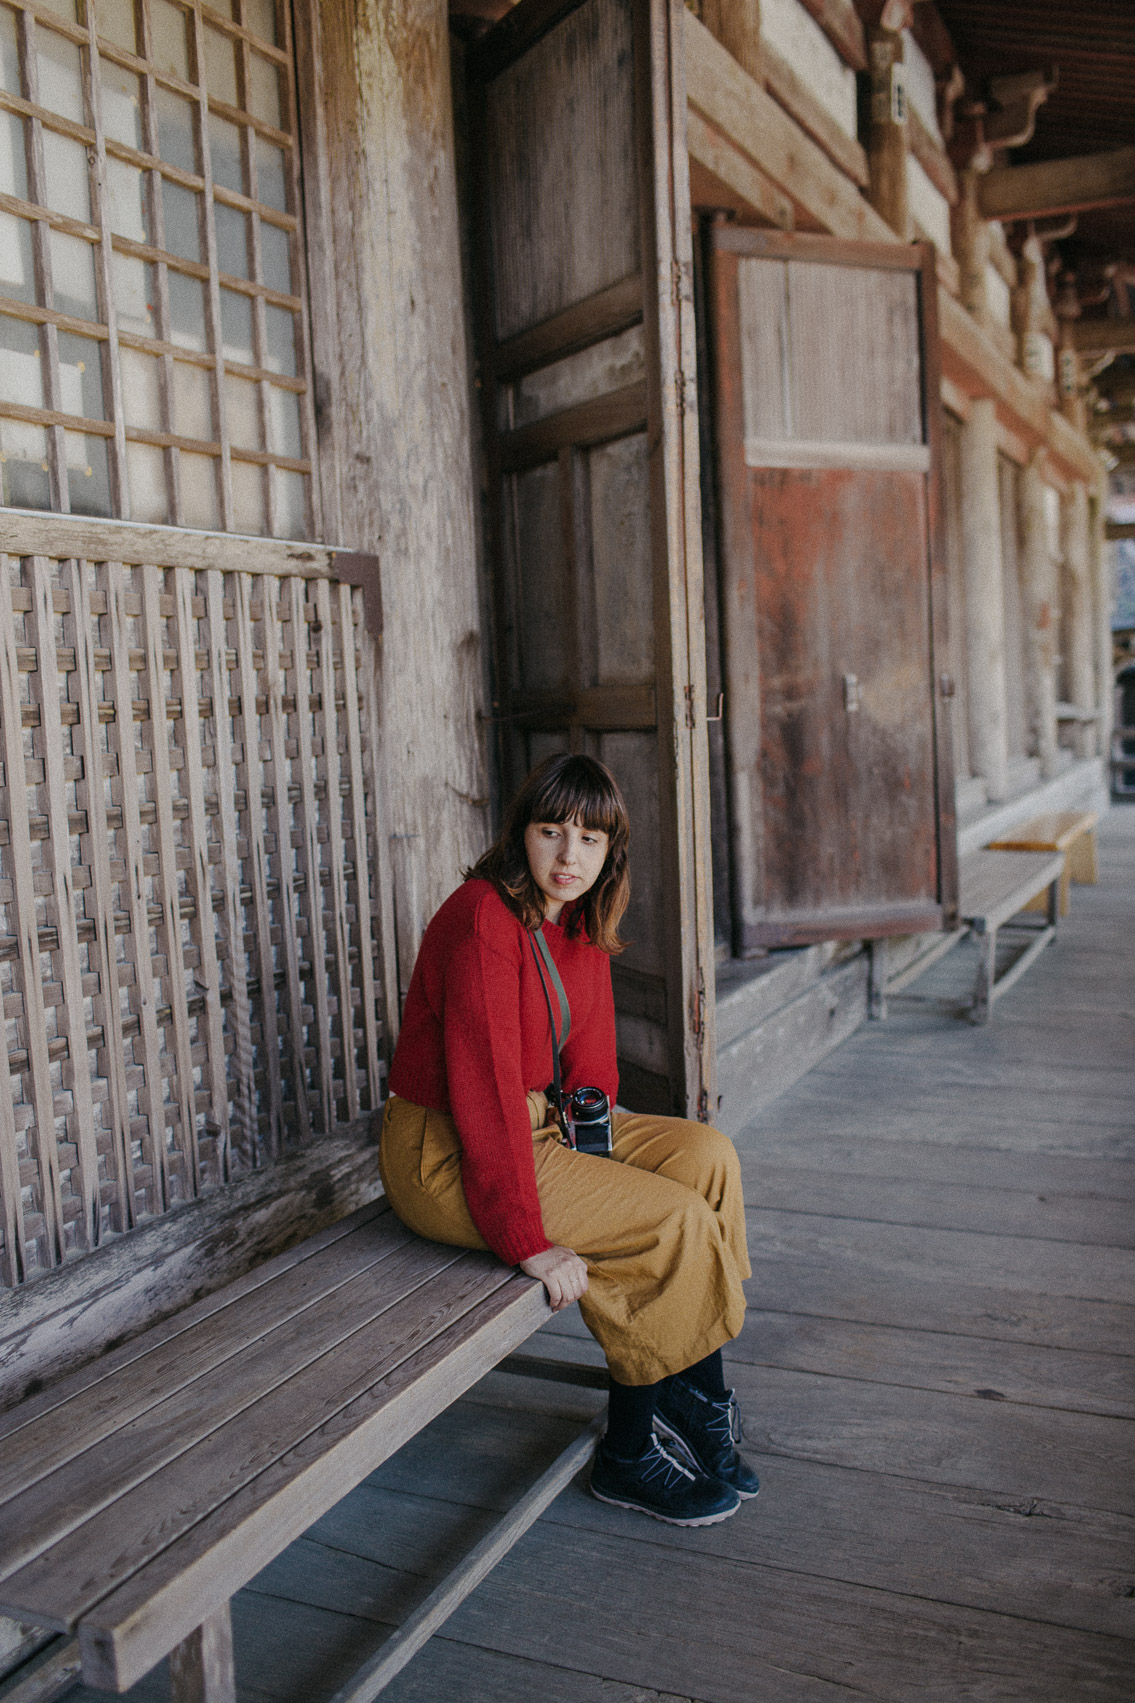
356	567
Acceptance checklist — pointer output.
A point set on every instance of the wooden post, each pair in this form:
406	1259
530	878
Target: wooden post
970	234
1079	641
1038	575
737	26
201	1666
887	142
985	619
1103	566
397	361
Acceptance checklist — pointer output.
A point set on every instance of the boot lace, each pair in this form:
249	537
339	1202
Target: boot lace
661	1464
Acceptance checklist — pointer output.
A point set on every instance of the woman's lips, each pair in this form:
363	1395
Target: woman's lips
565	880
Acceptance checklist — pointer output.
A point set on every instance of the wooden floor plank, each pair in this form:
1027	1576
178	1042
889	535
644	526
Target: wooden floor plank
1009	1262
941	1205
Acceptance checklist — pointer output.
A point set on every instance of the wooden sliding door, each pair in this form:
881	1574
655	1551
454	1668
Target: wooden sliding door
587	367
833	599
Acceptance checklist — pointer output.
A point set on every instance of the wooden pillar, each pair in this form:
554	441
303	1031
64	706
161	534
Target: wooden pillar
985	615
390	345
1038	576
737	26
887	139
970	235
1103	580
1079	638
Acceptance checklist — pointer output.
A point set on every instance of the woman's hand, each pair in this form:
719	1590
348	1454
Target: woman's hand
562	1273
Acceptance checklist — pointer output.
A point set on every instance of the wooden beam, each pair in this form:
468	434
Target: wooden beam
822	197
1104	336
796	98
722	176
1116	529
841	24
589	321
1059	186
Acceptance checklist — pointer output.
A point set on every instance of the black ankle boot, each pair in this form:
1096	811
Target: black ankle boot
704	1430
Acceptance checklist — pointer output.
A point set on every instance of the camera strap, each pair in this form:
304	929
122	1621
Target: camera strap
542	958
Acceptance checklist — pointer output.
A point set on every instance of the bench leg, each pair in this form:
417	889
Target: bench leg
877	983
986	971
1081	860
201	1666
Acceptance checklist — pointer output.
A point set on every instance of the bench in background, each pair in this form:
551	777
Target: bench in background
994	888
1072	832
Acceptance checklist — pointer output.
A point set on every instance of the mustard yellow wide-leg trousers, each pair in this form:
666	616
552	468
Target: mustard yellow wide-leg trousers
661	1225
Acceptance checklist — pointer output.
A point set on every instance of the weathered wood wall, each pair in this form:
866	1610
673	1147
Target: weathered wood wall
392	377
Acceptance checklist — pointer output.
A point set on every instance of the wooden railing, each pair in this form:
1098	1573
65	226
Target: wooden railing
189	870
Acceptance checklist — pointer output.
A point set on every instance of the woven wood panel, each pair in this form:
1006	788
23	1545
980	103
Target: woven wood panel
188	941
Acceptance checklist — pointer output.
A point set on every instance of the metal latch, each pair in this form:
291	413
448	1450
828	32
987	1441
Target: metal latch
851	693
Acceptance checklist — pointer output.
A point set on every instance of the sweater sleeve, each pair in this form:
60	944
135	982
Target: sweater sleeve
488	1099
588	1059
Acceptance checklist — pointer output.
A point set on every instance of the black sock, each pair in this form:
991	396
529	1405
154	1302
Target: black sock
630	1416
707	1375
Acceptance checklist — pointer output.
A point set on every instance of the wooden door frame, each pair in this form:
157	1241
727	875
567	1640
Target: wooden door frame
741	664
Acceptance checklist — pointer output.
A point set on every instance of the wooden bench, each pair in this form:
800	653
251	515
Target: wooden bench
139	1494
994	886
1072	832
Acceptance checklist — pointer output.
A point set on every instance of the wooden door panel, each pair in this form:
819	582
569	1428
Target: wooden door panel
827	459
836	547
579	168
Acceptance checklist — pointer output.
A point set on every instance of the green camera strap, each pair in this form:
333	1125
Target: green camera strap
563	1029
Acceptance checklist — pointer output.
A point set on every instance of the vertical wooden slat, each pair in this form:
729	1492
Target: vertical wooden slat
79	579
287	908
379	841
212	288
170	898
228	870
253	786
11	1195
193	785
312	860
150	1095
27	925
71	1016
332	773
363	926
112	365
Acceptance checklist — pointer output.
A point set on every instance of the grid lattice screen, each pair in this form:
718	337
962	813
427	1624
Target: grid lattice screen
188	874
153	350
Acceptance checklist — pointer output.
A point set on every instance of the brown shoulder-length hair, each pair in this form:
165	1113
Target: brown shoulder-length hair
566	788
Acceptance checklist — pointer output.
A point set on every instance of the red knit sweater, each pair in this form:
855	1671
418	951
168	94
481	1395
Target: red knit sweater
476	1037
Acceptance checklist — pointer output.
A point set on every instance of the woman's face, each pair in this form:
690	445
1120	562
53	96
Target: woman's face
565	861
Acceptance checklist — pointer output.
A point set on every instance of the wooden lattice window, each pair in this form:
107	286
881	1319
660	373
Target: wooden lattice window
189	871
154	360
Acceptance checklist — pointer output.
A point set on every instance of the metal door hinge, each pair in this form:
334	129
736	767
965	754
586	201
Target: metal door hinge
691	713
697	1009
851	693
946	685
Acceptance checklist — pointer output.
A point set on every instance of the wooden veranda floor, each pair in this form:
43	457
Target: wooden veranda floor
936	1377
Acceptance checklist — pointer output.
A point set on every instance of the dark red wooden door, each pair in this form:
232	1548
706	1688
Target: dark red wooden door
839	771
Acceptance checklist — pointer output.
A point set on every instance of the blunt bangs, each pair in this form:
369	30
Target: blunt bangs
579	791
564	788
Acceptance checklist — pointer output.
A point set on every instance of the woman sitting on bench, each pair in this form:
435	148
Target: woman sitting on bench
473	1153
